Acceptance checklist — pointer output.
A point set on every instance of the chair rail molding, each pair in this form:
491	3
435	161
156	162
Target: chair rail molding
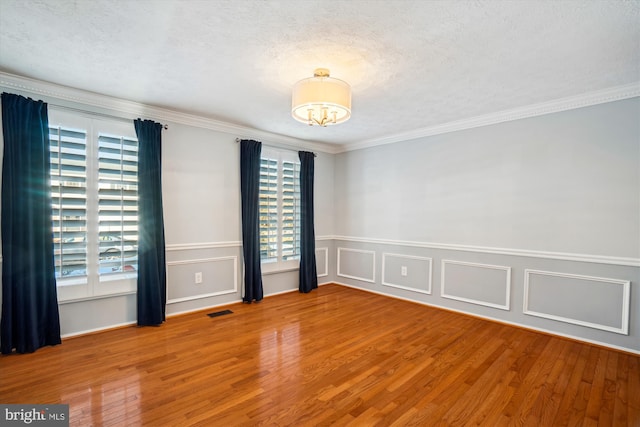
564	256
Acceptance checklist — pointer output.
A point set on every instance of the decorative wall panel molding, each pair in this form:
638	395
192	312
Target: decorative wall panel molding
219	277
322	261
594	302
482	284
357	256
398	271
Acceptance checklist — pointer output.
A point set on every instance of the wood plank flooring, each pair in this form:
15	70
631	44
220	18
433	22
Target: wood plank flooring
336	356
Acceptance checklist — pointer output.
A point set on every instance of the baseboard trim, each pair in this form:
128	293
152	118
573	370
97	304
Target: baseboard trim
98	330
504	322
176	314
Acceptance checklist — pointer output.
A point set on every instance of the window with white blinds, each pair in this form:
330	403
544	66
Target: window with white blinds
290	213
94	200
279	207
68	153
269	210
117	204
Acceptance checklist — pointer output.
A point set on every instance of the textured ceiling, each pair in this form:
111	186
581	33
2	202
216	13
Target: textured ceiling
412	64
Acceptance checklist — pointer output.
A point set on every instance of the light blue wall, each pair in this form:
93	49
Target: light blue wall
564	182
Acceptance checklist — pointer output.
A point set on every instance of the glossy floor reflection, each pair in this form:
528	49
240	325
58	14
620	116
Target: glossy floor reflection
336	356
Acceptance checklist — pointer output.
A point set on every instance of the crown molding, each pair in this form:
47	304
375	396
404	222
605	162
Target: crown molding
617	93
132	110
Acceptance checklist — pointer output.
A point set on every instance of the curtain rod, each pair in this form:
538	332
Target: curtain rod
238	140
93	113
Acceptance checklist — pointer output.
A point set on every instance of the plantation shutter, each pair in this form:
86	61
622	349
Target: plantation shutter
268	200
117	204
68	158
290	210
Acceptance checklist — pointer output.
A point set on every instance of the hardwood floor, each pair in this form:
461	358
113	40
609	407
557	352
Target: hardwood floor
336	356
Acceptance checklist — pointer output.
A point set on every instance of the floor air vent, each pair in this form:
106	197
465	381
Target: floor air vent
219	313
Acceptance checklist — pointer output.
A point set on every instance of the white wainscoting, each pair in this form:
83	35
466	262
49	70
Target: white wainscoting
420	283
485	281
322	261
537	303
357	256
565	300
212	269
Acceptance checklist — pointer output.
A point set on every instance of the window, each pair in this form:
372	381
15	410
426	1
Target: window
68	154
117	204
94	190
279	210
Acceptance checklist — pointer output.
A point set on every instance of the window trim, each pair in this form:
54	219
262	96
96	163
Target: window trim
280	265
93	286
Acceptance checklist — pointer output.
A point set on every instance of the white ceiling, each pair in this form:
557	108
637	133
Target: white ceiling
412	64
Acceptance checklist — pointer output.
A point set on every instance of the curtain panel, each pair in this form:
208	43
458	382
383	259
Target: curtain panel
152	275
308	271
250	192
30	317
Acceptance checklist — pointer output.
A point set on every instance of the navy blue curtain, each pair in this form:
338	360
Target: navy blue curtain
250	192
308	271
152	274
30	318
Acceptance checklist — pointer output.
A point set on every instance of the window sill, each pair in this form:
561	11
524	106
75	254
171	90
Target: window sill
275	267
280	270
118	276
88	288
94	297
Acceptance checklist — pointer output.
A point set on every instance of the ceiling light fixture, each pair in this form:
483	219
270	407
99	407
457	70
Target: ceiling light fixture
321	100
